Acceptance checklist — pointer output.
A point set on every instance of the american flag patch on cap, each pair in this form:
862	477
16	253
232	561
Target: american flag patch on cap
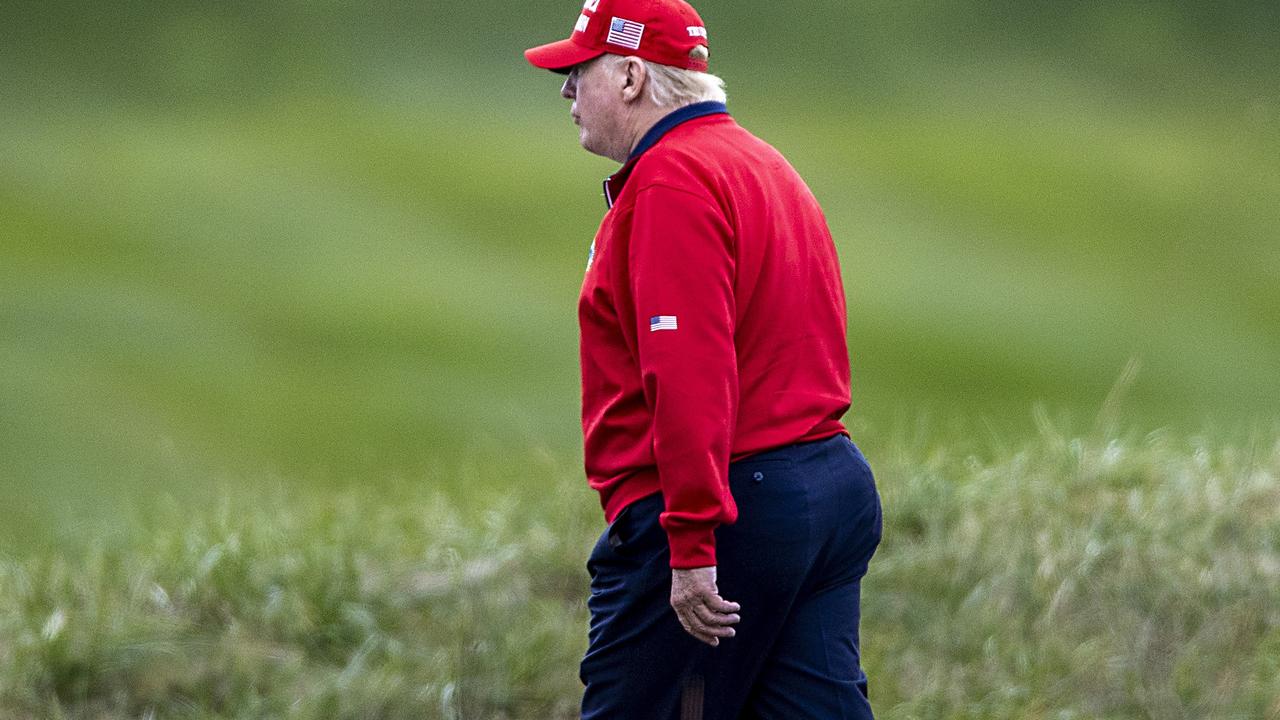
662	322
625	33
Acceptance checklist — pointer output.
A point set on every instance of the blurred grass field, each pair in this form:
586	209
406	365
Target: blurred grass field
271	255
350	251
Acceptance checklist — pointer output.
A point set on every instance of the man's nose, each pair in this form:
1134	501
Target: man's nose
569	90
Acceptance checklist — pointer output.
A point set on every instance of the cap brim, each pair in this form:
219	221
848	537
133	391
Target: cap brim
560	56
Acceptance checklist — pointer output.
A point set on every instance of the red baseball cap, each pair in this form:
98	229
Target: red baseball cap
661	31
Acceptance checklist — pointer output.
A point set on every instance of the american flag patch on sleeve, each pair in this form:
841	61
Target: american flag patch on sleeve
662	322
625	33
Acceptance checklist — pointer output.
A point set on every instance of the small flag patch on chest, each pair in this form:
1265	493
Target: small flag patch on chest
662	322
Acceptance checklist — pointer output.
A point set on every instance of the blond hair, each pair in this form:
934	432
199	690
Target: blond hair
673	87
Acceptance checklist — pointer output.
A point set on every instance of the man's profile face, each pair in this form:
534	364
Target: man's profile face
596	105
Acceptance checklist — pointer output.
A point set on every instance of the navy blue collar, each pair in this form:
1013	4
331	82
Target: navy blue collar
665	125
613	184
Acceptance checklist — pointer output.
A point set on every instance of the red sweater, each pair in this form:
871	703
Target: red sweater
713	324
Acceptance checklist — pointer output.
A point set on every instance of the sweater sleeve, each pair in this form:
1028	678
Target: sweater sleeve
681	280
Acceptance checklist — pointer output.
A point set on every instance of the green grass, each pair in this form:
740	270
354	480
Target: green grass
1105	576
376	604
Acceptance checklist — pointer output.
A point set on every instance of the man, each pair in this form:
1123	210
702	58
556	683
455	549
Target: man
714	376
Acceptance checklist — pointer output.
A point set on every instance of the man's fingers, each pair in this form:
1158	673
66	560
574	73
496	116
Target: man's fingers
711	618
710	636
703	627
719	632
714	603
719	604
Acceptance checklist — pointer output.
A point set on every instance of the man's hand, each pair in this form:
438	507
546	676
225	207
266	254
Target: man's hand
697	602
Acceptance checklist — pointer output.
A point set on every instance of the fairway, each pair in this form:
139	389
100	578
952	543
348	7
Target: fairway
329	292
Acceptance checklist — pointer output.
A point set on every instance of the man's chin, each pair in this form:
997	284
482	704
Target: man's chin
591	147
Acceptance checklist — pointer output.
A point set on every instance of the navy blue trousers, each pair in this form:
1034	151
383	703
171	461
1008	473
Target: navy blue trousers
808	523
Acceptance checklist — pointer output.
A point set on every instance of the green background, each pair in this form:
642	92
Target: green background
306	245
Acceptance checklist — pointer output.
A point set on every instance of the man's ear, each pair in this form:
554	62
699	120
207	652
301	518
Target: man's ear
635	76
